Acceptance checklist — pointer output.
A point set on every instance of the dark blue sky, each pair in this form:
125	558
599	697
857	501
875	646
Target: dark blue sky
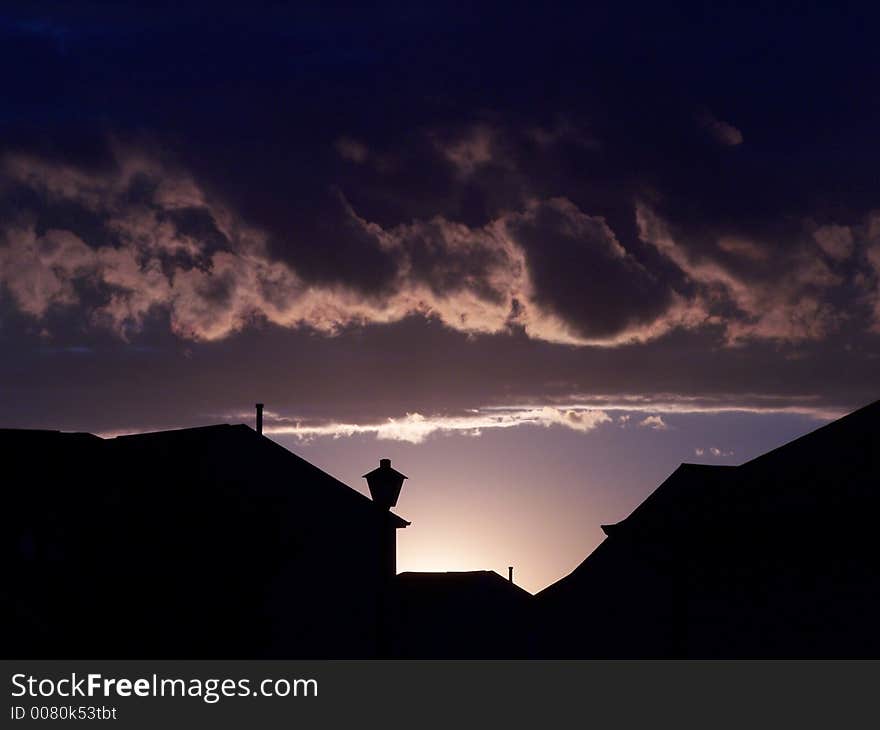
524	225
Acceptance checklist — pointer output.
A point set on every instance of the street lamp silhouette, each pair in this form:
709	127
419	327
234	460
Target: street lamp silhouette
385	484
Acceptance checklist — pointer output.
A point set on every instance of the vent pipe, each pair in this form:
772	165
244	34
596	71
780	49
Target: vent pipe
510	573
260	418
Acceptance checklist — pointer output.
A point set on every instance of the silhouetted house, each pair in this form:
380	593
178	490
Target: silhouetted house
215	541
777	557
476	614
200	542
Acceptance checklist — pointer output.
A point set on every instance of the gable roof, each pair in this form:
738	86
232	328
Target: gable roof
250	451
819	477
219	451
832	452
675	500
852	440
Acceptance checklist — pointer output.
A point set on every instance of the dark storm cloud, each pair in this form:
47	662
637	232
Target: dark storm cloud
546	266
331	247
580	271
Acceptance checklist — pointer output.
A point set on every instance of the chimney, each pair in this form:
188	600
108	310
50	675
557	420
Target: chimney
260	418
385	484
510	573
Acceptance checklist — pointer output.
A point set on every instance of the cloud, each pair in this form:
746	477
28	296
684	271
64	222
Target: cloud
563	131
582	414
38	270
582	275
149	239
868	281
742	248
415	427
165	244
809	405
577	413
873	256
835	240
723	132
352	150
713	451
654	422
756	301
468	152
210	281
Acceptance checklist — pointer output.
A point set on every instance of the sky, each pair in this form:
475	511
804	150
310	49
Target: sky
537	255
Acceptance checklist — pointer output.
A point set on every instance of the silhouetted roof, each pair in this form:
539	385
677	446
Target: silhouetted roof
459	615
851	434
35	435
220	451
808	479
460	580
674	500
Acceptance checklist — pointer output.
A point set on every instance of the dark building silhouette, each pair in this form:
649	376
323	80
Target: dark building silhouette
476	614
777	557
200	542
218	542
